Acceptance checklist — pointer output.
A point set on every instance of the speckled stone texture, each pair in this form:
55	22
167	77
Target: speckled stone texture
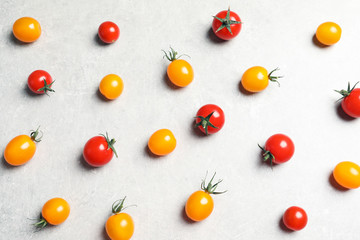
274	34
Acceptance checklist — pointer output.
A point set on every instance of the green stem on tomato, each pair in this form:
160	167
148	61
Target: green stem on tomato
226	22
34	135
210	188
205	122
110	143
274	78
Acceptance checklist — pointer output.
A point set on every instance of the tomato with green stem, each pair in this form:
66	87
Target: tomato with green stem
99	150
328	33
27	29
347	174
22	148
350	101
295	218
40	82
210	119
200	204
162	142
256	79
279	148
226	24
54	212
179	71
119	226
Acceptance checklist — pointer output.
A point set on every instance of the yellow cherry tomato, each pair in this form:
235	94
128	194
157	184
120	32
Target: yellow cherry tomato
21	149
111	86
27	29
328	33
54	212
179	71
256	79
347	174
162	142
119	226
200	204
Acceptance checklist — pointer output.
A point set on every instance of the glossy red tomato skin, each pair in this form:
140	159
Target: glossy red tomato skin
36	80
108	32
295	218
224	33
96	152
217	119
351	104
281	147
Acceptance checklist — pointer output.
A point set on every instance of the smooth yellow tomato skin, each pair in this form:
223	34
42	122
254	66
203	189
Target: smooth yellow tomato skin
120	226
162	142
255	79
111	86
27	29
199	206
180	73
328	33
19	150
55	211
347	174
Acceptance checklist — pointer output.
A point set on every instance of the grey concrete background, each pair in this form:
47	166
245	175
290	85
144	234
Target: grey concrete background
275	34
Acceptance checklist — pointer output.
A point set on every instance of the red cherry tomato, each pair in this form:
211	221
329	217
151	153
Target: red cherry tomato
295	218
210	119
279	148
40	82
226	25
99	150
108	32
351	101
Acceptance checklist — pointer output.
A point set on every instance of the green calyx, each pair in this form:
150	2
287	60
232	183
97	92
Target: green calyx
226	22
34	135
110	143
172	55
347	92
267	155
205	122
274	78
41	223
210	188
46	88
118	206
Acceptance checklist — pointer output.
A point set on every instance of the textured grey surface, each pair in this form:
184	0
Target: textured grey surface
275	34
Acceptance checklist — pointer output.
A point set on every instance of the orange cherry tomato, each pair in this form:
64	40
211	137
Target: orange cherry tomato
347	174
54	212
328	33
111	86
21	148
256	79
162	142
27	29
119	226
200	204
179	71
